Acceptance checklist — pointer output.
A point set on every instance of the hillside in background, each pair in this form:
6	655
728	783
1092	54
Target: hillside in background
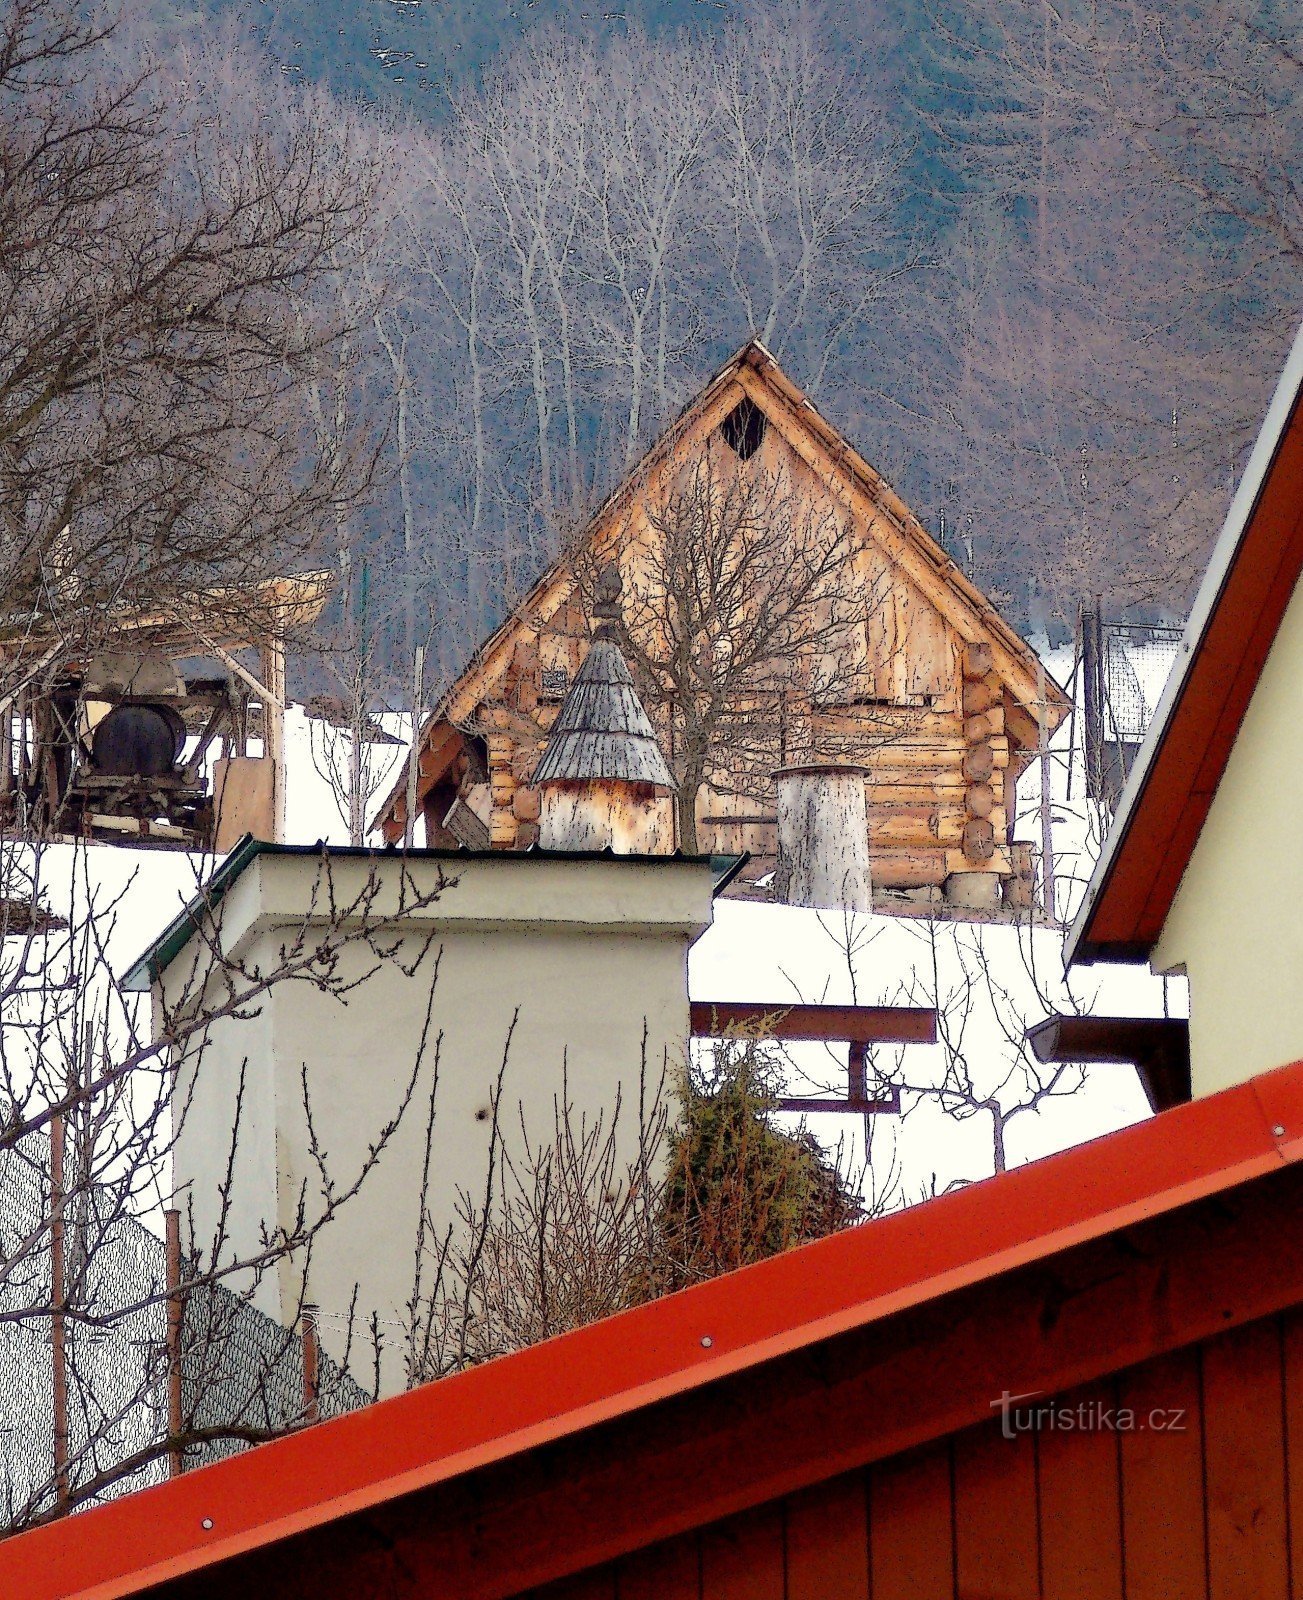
413	51
1040	266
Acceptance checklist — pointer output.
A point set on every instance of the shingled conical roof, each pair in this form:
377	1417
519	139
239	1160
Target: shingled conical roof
602	730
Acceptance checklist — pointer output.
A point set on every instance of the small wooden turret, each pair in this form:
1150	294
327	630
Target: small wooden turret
602	780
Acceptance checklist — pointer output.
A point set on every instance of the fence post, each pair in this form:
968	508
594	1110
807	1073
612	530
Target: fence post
311	1363
172	1222
1092	695
58	1328
1047	803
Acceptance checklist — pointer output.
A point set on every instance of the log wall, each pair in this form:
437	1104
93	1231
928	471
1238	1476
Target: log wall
931	728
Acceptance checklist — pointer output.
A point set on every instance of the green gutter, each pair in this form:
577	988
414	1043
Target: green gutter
150	966
178	933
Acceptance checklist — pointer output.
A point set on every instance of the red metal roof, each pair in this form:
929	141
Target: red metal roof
1249	583
673	1346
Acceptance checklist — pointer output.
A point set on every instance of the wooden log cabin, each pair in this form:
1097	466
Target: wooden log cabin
947	706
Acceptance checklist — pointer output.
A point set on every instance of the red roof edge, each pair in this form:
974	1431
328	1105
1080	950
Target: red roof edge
1250	580
671	1346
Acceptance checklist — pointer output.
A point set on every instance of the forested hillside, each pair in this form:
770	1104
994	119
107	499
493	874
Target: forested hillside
1041	264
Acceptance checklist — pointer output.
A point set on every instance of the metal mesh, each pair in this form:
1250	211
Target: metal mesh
239	1367
1137	662
114	1355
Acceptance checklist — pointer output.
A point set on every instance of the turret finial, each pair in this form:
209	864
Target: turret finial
606	603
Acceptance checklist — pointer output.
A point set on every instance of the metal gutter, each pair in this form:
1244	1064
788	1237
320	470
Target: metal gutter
160	954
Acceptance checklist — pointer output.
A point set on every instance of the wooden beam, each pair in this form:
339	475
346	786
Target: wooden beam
712	1019
853	1105
267	696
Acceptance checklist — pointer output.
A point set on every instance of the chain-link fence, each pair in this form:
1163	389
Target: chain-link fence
241	1372
114	1342
1137	662
1124	667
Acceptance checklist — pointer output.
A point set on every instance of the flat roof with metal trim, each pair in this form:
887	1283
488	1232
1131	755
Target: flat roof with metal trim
173	939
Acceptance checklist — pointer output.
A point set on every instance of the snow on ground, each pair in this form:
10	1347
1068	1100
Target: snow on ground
129	894
317	764
989	982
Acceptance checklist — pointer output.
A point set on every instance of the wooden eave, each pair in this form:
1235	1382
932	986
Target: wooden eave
1245	592
198	621
754	373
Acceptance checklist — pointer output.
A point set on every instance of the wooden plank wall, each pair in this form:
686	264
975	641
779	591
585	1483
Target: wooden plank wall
1211	1512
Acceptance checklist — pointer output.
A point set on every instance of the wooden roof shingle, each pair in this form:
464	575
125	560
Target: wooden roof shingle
602	730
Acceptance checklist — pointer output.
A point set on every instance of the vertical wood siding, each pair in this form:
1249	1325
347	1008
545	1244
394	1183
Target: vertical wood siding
1213	1511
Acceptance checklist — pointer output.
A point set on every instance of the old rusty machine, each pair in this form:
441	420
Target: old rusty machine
122	746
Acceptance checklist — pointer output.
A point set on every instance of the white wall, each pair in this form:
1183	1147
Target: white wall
582	955
1236	924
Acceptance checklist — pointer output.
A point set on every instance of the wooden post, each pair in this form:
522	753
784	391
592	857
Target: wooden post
58	1327
1047	818
311	1364
414	754
273	727
172	1228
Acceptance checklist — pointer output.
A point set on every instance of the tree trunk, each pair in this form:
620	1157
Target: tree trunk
823	838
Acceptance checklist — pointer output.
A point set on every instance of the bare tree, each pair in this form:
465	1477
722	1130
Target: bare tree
162	285
350	748
644	208
1121	187
595	1216
806	173
565	1231
1000	1085
989	985
93	1110
745	618
595	227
